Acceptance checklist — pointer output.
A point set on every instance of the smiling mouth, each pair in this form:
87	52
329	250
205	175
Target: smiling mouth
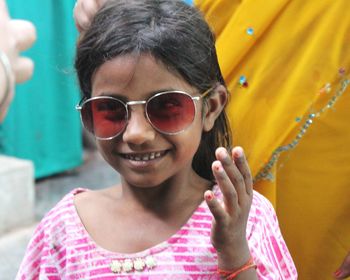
144	156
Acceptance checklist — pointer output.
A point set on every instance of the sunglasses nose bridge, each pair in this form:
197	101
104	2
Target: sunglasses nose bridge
138	129
129	104
132	103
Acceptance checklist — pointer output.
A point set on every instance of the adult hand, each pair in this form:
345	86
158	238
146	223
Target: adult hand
15	36
344	270
84	11
230	217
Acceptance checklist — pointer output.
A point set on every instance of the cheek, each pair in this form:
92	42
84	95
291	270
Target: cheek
106	149
190	141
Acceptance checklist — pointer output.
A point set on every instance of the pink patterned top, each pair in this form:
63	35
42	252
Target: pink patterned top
61	248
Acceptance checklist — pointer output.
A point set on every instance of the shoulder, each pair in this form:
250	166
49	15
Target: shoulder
65	207
61	215
84	196
62	223
50	238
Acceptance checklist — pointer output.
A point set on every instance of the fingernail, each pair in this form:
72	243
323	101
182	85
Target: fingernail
239	152
222	153
218	166
337	273
209	195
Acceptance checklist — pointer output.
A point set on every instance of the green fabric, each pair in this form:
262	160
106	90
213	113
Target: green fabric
42	124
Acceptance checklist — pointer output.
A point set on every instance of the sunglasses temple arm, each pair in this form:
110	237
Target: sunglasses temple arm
204	94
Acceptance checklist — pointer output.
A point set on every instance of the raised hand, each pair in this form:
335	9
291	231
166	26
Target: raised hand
230	216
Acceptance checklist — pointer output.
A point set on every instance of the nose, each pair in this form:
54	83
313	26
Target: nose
138	130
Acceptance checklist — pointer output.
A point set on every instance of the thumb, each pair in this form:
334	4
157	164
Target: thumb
344	270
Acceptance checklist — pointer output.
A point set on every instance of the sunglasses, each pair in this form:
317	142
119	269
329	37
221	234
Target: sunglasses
169	112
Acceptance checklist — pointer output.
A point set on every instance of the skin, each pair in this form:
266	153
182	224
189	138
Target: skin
157	197
137	79
228	230
343	271
84	11
15	36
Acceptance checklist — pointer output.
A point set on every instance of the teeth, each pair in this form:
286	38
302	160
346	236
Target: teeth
144	157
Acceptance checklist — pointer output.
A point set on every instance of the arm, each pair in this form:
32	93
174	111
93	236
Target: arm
15	36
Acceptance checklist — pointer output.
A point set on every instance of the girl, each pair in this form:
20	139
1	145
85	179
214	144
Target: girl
154	99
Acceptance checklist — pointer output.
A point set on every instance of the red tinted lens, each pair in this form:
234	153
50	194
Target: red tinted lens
171	112
104	117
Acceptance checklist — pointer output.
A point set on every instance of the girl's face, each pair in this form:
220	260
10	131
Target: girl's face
141	154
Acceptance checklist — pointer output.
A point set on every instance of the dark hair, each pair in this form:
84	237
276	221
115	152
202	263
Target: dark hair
175	34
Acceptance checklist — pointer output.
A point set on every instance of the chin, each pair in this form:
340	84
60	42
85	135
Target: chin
143	183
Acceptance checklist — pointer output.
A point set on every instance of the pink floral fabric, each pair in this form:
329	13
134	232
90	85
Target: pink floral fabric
61	248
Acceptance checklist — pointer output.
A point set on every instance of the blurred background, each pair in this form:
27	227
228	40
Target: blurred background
42	124
43	153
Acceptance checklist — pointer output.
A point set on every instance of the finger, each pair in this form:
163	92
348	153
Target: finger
78	26
4	15
82	21
344	270
232	172
84	11
75	15
23	69
214	206
243	167
89	7
24	33
100	3
226	187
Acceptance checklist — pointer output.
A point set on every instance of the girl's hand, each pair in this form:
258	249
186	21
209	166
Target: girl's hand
230	217
84	11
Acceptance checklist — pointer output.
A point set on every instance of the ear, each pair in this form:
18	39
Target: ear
214	105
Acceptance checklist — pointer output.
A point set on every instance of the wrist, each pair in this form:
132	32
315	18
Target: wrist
232	274
233	259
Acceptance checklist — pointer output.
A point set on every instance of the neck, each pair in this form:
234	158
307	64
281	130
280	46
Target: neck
168	197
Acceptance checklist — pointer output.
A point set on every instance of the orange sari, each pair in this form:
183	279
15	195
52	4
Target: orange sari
287	66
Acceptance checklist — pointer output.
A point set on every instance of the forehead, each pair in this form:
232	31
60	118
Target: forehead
135	74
